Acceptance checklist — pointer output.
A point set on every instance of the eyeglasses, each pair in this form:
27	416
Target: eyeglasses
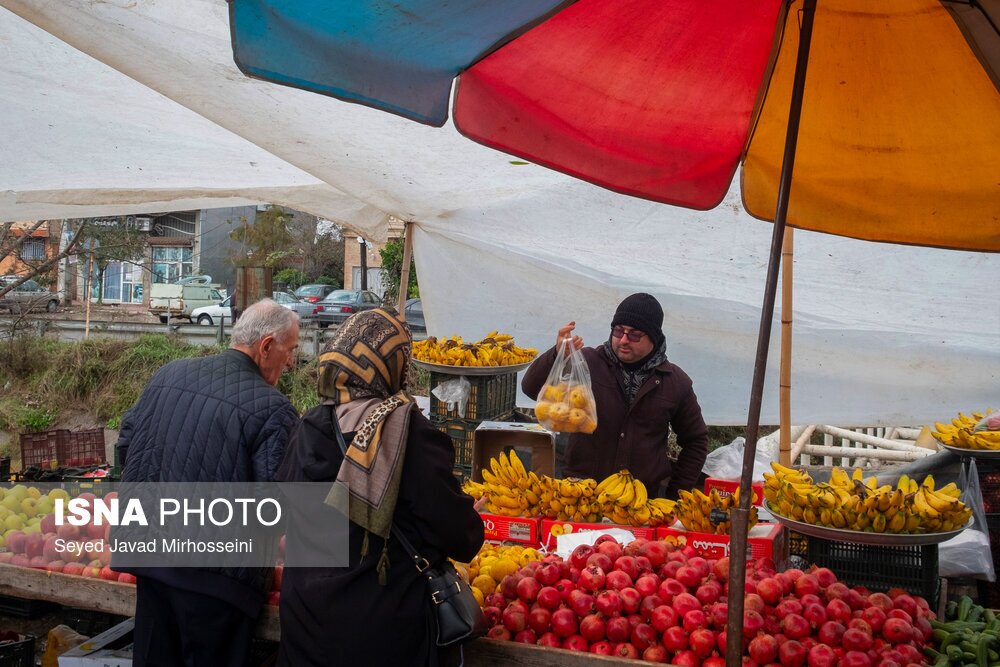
633	335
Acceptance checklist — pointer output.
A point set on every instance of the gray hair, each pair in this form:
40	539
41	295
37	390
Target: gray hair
262	319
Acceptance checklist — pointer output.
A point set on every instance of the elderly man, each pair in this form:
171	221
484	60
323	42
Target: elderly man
640	395
210	419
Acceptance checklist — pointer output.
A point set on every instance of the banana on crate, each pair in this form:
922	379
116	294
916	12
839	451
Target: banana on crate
709	513
853	502
961	432
511	490
494	349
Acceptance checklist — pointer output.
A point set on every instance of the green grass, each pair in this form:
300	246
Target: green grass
42	377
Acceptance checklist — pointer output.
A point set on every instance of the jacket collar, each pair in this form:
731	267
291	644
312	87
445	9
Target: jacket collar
243	360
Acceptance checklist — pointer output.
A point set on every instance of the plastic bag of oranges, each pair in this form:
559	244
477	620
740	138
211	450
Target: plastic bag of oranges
566	402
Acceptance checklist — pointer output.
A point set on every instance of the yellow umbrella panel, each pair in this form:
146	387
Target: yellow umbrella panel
900	131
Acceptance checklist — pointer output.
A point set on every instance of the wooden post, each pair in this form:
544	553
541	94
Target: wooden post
404	276
90	270
785	387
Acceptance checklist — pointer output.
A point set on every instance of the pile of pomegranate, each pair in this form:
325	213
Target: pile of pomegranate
652	601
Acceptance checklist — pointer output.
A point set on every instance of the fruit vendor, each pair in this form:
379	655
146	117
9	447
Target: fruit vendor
640	396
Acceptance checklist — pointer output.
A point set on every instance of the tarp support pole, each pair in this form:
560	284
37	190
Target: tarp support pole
739	516
785	385
404	276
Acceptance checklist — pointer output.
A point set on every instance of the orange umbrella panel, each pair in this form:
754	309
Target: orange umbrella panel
900	131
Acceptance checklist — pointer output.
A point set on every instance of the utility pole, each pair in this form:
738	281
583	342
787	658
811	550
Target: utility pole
364	262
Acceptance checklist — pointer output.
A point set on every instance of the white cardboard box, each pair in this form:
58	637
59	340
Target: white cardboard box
108	649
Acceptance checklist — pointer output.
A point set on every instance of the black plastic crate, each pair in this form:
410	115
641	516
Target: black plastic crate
16	650
461	432
23	608
4	468
491	397
89	622
989	485
798	544
912	568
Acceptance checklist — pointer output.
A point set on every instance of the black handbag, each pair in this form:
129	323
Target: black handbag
457	615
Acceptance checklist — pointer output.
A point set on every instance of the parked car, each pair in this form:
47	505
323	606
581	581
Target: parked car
27	296
341	304
305	309
313	293
210	315
168	300
415	316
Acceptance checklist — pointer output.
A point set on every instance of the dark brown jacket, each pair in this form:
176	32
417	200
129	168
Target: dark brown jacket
634	437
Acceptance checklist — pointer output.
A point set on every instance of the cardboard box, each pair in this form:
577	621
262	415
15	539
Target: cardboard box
535	446
108	649
526	531
549	541
766	540
726	488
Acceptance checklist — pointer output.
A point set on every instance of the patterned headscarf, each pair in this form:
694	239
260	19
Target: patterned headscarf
368	359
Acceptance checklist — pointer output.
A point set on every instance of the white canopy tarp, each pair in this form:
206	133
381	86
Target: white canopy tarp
136	105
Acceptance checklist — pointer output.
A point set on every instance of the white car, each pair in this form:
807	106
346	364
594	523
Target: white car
210	315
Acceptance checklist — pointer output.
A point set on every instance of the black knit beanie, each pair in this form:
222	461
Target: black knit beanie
643	312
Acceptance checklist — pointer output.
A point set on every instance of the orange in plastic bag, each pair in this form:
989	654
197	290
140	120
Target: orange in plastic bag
566	402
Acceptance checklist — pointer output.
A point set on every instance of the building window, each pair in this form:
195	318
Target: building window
33	249
170	264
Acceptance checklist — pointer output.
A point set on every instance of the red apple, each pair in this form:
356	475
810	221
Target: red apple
75	568
127	578
108	574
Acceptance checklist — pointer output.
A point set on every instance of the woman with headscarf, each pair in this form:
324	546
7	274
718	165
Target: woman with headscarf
398	469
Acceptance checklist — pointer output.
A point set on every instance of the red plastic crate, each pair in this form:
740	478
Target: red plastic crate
766	540
41	450
726	488
83	448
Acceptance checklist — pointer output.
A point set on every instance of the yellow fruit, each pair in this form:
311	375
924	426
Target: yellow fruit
485	584
542	410
478	594
503	567
578	397
576	417
555	393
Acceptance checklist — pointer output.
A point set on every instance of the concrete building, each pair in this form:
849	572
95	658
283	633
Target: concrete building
352	259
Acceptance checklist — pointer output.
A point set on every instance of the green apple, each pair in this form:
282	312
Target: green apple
13	522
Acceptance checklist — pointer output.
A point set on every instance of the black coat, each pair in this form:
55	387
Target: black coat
343	616
208	419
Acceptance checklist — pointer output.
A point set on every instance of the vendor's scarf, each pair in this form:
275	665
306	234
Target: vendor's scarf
634	378
368	359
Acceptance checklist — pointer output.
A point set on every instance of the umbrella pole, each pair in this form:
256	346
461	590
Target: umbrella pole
739	516
785	391
404	275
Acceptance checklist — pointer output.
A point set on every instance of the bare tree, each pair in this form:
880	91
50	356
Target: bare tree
11	244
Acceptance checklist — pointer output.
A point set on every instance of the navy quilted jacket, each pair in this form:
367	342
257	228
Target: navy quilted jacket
209	419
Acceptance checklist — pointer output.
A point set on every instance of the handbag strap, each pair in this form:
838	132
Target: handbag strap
419	561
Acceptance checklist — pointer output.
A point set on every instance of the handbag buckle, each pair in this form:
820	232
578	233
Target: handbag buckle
435	594
421	567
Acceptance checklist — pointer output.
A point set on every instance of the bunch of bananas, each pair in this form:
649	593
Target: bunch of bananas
570	499
702	513
854	503
495	349
510	489
567	408
624	500
492	564
960	432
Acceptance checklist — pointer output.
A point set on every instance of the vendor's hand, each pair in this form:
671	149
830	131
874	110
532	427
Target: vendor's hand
567	333
480	504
